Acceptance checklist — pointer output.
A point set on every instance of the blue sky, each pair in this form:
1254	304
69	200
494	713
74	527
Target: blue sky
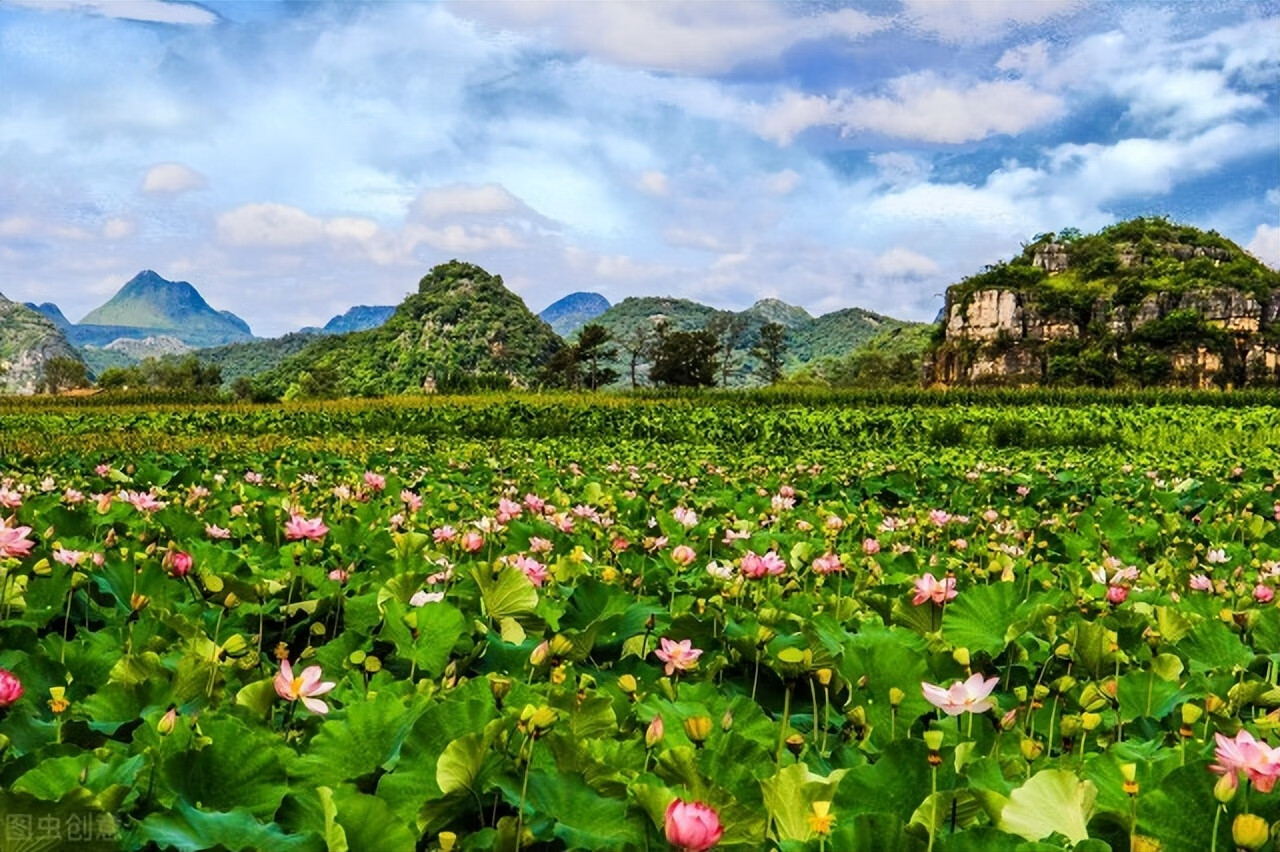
293	159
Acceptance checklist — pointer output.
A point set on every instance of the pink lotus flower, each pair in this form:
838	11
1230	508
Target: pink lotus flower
828	563
533	569
14	543
534	503
144	501
929	588
1023	491
685	517
102	469
939	518
683	554
1262	593
9	499
311	529
216	532
340	575
253	477
539	545
508	511
967	696
755	566
1117	594
375	481
1217	556
1259	761
70	558
692	826
422	597
180	563
870	546
1201	583
411	500
444	534
73	497
305	687
833	523
10	688
472	541
679	656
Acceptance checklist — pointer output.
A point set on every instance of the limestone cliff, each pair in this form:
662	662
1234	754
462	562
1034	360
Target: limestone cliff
28	340
1144	302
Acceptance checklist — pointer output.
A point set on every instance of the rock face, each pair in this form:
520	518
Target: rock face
1142	312
28	340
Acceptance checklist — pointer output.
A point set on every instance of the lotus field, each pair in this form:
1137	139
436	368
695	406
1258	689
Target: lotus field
763	626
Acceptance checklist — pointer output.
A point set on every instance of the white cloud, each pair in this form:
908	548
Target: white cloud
269	225
899	262
1265	245
453	200
151	11
920	106
1025	59
653	183
172	179
693	38
783	182
118	228
980	20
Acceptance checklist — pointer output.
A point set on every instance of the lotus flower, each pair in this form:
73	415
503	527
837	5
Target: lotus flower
375	481
929	588
964	696
679	656
311	529
692	826
305	687
10	688
755	566
14	543
1259	761
683	554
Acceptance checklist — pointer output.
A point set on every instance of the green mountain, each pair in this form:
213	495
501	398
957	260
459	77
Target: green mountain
149	305
256	356
461	328
1142	302
807	338
28	340
567	315
893	356
52	312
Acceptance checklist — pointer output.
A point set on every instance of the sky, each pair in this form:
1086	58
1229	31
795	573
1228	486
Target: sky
291	159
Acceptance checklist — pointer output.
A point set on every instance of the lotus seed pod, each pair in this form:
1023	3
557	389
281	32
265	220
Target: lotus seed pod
961	656
1070	726
1090	721
896	697
1031	749
560	646
1191	713
933	739
627	683
698	728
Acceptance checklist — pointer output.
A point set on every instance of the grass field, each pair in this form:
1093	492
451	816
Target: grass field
897	621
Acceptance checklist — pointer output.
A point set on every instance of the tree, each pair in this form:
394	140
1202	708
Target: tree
685	359
638	343
591	348
726	328
561	371
63	373
770	348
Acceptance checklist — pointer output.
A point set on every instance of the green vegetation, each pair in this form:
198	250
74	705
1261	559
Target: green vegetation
462	330
892	358
248	359
183	374
158	305
540	621
28	341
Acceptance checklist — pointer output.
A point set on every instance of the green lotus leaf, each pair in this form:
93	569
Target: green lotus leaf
1053	801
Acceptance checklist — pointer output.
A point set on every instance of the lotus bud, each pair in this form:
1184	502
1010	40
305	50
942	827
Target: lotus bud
4	743
1090	721
1129	772
896	697
1031	749
653	734
961	656
697	728
539	654
500	687
560	646
138	602
1225	790
167	722
1008	720
1250	831
726	721
627	683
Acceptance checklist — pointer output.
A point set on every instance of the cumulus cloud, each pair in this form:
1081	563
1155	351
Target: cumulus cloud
653	183
693	38
919	106
458	199
172	179
150	11
117	228
980	20
1265	245
269	225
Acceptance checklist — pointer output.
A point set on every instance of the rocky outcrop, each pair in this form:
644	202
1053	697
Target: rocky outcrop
28	341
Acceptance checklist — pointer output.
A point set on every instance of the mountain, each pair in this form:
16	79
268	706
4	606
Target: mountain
807	338
359	318
149	305
51	312
256	356
28	340
575	310
893	356
1142	302
462	329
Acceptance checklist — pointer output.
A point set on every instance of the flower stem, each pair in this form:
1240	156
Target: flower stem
782	733
933	805
524	789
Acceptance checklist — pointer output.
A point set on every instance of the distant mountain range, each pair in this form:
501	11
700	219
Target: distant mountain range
359	318
28	340
575	310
